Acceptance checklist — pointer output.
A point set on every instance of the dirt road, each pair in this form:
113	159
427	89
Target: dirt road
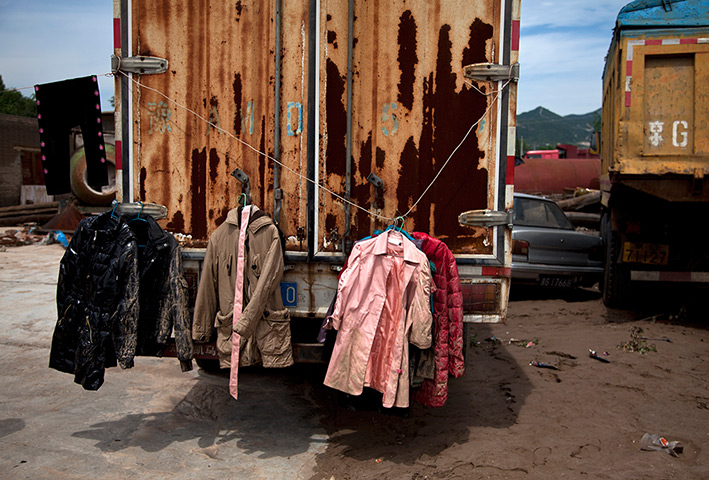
504	419
507	419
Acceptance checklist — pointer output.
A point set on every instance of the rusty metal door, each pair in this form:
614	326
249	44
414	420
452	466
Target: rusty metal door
344	114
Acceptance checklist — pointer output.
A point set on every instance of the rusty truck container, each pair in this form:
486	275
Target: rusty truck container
655	148
338	117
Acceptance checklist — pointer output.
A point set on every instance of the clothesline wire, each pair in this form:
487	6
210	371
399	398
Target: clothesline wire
229	134
340	197
110	74
17	89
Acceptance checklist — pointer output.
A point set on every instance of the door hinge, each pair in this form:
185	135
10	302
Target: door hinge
492	72
485	218
141	65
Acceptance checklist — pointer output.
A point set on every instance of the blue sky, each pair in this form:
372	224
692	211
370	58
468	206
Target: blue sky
45	41
563	44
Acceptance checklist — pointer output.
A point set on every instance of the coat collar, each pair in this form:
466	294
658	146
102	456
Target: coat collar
380	245
233	216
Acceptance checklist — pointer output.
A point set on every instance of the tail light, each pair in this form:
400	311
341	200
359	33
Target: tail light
520	247
595	253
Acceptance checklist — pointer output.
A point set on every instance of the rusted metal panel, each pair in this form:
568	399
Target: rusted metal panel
318	101
182	161
294	104
410	107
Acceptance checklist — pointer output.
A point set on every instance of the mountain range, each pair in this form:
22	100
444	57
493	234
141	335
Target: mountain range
541	128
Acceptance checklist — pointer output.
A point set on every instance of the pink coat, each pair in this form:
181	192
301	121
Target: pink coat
383	303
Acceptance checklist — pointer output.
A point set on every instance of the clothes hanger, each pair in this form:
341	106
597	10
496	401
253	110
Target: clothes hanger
113	212
138	217
401	228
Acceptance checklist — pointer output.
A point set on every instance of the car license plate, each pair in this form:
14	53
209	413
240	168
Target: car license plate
556	282
648	253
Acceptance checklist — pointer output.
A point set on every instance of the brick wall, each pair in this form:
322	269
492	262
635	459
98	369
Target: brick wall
15	133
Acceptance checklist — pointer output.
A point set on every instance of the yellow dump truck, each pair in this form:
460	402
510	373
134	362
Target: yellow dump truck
655	150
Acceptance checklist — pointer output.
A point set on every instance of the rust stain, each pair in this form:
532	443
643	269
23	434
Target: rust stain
418	164
412	169
214	115
480	33
213	165
177	224
262	166
237	87
361	192
336	121
446	119
380	157
198	219
332	38
330	222
222	218
450	108
227	187
407	58
143	177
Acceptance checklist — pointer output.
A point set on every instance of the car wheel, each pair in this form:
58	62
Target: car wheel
616	276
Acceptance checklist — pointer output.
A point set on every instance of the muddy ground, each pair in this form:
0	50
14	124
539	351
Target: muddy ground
584	419
505	419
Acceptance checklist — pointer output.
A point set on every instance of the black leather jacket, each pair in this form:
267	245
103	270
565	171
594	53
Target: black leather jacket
97	301
120	294
162	293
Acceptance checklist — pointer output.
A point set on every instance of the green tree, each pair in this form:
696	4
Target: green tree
13	103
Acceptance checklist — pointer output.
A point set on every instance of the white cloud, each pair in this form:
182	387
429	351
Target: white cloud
570	14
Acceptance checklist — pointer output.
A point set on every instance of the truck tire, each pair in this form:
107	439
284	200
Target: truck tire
616	276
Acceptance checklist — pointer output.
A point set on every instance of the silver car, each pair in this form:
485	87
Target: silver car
546	248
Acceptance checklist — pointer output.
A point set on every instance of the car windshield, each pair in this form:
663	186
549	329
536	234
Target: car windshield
531	212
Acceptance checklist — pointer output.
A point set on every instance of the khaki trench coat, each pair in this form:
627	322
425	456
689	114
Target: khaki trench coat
264	324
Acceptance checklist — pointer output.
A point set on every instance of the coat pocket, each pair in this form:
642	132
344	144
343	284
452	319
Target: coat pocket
255	266
273	336
223	324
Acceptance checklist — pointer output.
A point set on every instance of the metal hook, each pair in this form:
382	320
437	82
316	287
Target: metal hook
403	221
115	205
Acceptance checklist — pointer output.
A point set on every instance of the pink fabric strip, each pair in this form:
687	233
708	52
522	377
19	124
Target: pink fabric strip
238	304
